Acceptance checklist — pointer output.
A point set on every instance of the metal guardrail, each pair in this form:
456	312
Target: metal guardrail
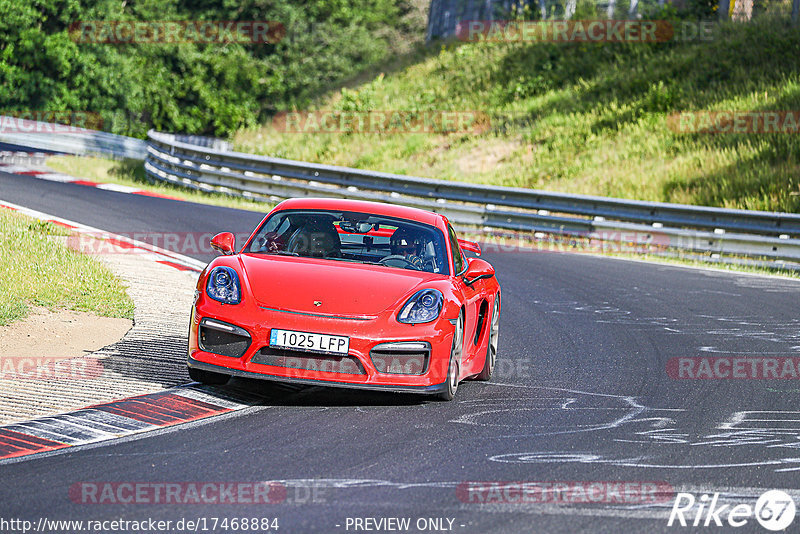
78	141
696	228
8	157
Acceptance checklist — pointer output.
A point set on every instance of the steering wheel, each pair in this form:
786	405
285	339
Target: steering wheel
394	259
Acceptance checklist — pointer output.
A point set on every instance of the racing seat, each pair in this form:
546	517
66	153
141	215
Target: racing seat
317	239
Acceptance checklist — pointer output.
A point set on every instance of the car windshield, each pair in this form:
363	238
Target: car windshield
353	237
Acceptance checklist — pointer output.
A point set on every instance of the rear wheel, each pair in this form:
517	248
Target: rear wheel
208	377
491	349
455	361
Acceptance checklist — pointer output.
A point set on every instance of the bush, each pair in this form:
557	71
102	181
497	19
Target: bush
188	87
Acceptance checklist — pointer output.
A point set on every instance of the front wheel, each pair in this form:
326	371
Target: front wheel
455	360
208	377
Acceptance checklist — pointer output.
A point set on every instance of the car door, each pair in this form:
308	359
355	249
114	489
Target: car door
471	296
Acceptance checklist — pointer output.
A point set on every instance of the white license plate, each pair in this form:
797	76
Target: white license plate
309	341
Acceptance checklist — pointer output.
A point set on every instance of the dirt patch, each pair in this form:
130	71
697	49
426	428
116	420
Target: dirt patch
486	156
60	334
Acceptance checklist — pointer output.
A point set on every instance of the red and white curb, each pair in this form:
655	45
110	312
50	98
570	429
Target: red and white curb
23	170
120	418
157	254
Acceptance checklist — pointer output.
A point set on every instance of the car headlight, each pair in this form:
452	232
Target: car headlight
223	285
423	307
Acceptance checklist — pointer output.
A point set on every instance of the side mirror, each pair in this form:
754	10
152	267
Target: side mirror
478	270
470	246
224	243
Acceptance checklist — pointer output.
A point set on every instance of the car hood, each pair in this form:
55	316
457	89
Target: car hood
328	287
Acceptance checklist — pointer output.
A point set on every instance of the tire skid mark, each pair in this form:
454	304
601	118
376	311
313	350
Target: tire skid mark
752	431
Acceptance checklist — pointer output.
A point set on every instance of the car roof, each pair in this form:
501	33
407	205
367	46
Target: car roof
361	206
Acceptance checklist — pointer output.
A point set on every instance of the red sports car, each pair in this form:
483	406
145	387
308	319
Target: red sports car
347	293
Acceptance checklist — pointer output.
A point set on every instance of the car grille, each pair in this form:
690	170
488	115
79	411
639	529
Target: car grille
297	359
223	338
401	358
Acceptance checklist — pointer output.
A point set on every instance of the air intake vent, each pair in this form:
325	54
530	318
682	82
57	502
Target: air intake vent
223	338
402	358
296	359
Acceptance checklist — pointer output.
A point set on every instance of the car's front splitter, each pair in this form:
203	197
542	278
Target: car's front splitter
423	390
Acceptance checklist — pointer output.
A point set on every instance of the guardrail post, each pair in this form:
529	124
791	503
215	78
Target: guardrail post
633	9
569	9
723	9
612	5
543	9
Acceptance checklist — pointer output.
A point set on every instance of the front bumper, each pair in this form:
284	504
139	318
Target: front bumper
424	390
365	334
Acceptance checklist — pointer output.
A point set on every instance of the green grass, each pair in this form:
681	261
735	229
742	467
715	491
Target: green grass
37	270
131	173
584	118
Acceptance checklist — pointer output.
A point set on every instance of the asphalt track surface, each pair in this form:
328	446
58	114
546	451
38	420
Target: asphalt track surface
21	148
581	393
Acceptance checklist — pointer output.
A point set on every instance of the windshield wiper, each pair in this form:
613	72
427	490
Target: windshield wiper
352	261
280	253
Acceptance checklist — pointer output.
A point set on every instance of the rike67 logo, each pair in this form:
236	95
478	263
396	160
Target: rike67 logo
774	510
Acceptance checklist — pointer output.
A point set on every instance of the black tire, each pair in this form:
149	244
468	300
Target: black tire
208	377
455	358
491	346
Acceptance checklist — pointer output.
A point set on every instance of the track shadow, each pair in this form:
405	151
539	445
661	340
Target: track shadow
282	394
163	362
160	360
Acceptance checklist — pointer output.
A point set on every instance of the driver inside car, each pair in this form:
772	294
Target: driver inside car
410	244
